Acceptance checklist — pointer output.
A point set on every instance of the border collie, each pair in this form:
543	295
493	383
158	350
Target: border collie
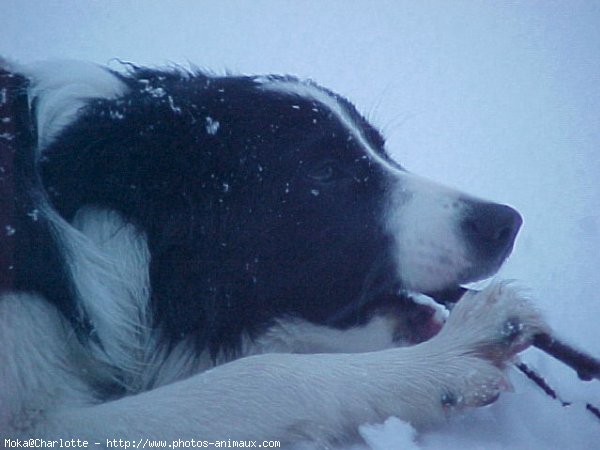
233	257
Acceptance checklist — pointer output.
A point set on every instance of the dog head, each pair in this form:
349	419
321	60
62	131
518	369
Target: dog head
359	224
266	196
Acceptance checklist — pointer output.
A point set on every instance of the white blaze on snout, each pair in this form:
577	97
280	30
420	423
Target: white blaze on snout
424	219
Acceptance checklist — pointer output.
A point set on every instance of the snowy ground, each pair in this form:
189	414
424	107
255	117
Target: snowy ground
498	98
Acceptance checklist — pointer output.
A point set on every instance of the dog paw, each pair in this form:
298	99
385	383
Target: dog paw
483	333
494	324
471	382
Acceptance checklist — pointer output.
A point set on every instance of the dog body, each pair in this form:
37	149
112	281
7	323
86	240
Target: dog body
238	257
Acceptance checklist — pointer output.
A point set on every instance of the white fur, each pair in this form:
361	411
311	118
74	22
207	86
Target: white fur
298	381
289	397
60	88
423	217
109	260
37	373
297	336
108	257
287	336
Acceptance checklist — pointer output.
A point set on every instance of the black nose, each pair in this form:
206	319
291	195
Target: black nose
491	229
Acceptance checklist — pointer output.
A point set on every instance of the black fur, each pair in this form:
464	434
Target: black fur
274	212
36	262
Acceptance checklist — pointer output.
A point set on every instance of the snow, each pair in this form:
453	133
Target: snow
10	230
176	109
212	126
500	99
34	214
392	434
116	115
156	92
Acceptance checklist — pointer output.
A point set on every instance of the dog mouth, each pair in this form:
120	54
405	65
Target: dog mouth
447	297
418	315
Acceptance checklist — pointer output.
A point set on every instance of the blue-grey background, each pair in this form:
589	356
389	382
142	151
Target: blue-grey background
498	98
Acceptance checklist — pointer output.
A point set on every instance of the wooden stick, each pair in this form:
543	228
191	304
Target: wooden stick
550	392
541	382
586	366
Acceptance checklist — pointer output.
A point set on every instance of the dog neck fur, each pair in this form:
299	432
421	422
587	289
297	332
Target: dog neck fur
59	89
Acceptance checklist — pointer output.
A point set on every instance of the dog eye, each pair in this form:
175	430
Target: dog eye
325	172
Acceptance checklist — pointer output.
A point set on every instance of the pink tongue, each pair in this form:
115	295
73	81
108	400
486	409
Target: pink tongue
422	323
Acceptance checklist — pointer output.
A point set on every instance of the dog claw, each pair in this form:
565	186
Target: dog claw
512	329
